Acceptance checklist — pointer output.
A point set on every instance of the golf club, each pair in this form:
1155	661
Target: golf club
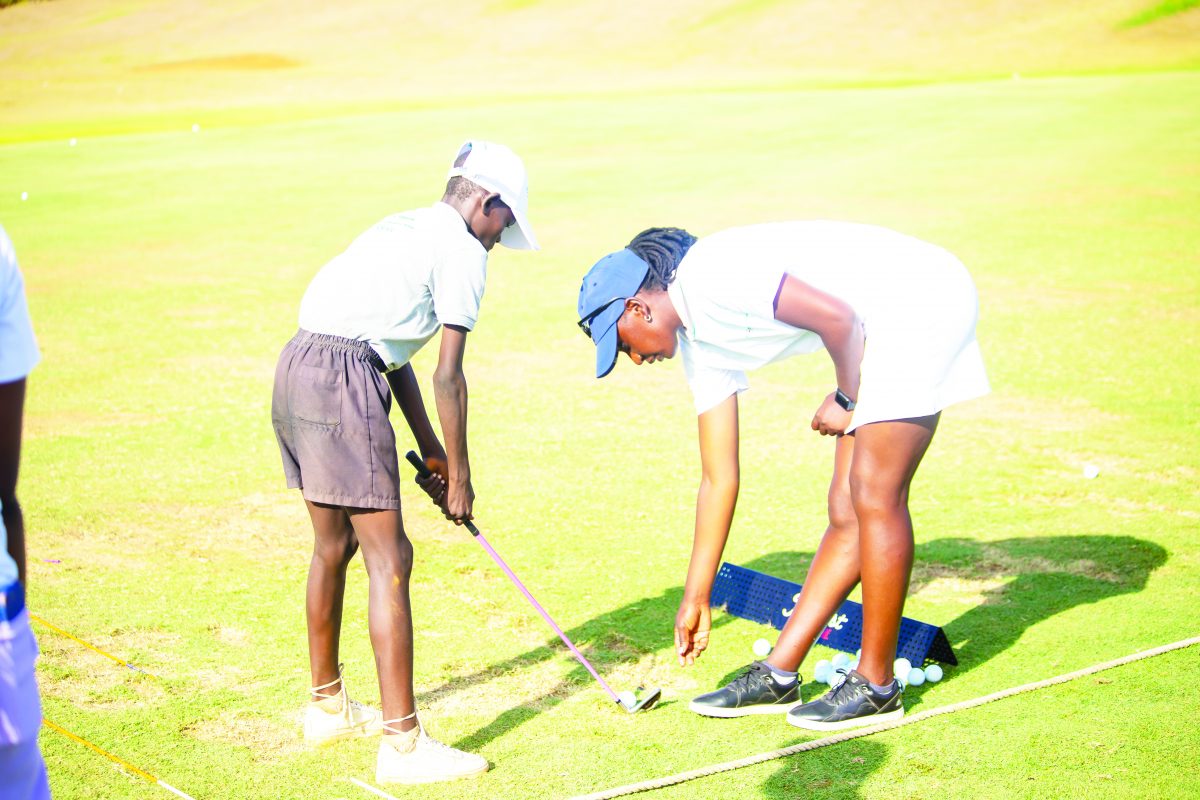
626	700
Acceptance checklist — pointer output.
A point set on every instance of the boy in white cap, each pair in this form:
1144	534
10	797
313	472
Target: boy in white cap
22	770
363	317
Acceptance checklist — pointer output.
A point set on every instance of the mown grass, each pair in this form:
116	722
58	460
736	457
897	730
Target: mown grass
164	270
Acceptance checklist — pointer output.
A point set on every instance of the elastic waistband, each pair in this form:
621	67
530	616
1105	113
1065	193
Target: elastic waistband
356	347
12	601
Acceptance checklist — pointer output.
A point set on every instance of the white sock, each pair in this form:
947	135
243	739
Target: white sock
782	677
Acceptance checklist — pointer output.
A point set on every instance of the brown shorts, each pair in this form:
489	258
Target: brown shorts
330	412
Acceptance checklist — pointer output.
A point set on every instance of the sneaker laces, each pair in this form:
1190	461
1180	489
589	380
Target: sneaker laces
387	725
317	689
748	674
839	678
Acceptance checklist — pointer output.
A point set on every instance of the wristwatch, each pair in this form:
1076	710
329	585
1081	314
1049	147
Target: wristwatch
844	400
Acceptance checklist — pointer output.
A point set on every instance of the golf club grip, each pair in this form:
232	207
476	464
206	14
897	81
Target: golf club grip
417	463
425	472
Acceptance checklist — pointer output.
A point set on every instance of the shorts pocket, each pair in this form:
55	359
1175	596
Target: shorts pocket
317	395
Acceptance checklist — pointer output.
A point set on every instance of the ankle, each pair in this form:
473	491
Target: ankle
402	742
326	692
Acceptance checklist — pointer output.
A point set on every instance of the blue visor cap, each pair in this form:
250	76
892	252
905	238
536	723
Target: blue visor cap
614	279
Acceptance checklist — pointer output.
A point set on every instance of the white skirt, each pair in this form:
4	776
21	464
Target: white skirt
921	354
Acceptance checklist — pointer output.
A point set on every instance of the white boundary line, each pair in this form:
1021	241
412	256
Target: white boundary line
173	790
681	777
370	788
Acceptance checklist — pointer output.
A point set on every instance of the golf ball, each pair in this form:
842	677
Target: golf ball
901	667
933	673
72	143
196	128
853	664
628	699
841	660
1090	471
823	670
916	676
24	196
762	647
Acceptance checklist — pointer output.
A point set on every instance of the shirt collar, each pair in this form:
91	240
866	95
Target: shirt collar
675	294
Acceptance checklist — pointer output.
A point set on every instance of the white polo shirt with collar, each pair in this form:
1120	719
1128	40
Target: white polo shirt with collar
916	302
399	282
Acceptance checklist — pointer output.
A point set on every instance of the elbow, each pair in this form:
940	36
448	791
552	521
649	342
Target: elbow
723	481
448	380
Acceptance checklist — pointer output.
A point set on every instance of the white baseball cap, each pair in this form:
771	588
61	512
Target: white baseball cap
498	169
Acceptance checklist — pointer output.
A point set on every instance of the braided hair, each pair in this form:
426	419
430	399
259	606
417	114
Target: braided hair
662	249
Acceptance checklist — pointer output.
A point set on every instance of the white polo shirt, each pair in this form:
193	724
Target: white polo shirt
18	355
399	282
902	288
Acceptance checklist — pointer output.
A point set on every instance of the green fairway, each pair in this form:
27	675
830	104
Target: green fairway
165	268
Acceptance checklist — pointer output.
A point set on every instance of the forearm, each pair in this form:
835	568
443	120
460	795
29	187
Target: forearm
14	524
715	503
408	396
834	320
450	396
845	343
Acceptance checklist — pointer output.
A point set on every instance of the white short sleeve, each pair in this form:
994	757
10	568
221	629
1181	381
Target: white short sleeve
457	286
710	385
18	348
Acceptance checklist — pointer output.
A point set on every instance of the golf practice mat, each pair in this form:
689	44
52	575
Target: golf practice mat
764	598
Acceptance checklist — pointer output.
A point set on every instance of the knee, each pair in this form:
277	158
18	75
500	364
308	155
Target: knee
337	552
842	519
396	563
872	501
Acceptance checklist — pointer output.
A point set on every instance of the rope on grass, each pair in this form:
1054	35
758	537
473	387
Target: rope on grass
57	629
141	773
682	777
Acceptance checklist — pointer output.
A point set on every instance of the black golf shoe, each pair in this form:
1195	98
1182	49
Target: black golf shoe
850	704
754	691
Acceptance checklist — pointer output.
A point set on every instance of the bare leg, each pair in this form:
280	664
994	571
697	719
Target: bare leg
334	545
388	554
834	571
886	456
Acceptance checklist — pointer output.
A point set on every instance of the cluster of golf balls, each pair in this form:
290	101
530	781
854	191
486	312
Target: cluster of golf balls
830	671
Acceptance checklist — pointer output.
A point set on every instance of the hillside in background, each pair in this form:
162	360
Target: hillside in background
97	59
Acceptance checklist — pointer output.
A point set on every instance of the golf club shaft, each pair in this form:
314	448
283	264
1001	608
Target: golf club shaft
423	471
496	557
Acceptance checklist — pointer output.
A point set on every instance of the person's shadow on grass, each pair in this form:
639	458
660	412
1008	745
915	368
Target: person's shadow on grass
1028	580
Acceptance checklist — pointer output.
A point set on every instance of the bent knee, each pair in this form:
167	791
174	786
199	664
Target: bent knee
842	518
337	551
395	562
869	499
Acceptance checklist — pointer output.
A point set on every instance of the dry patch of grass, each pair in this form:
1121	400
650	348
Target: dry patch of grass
268	738
70	672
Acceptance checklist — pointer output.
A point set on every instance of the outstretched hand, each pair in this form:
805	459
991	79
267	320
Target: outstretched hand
692	625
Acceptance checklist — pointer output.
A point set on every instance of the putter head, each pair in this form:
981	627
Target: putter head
648	698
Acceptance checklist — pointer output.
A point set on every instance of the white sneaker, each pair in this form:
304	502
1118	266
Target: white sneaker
336	716
426	760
